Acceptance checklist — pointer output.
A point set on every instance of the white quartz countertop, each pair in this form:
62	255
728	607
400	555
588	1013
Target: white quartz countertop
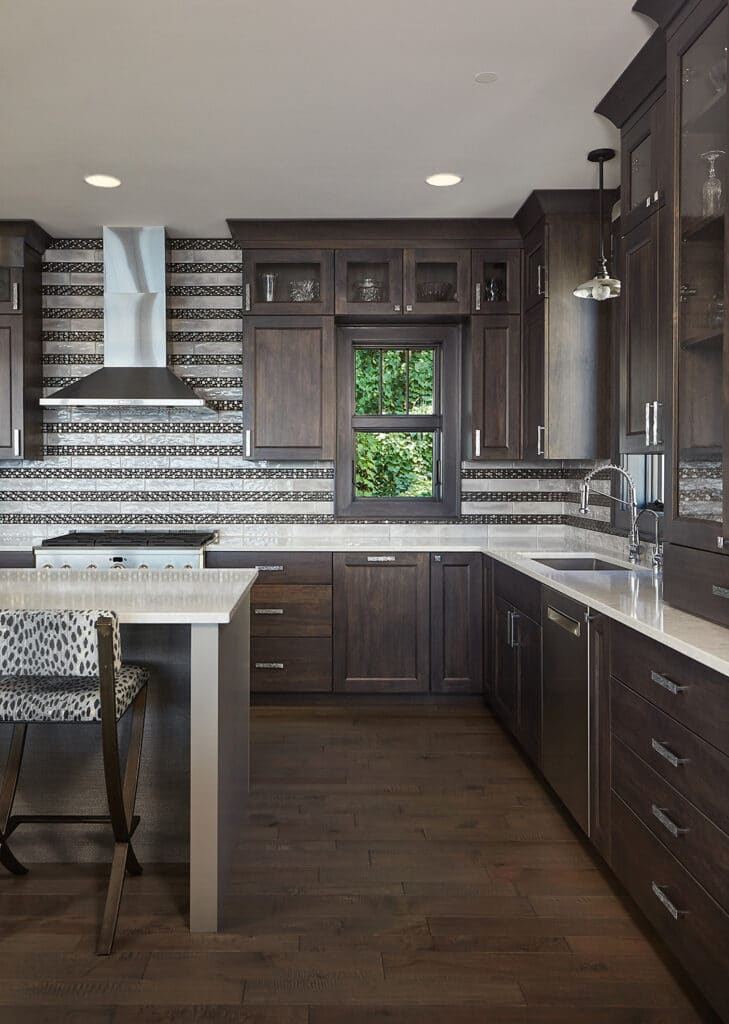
145	596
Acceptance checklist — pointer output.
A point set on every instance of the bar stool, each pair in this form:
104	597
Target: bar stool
60	667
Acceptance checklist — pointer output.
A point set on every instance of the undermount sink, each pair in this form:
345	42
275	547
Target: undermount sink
578	564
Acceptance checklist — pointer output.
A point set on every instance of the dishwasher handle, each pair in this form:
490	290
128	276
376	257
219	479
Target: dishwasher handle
566	622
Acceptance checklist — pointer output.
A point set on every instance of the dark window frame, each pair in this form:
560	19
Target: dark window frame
446	419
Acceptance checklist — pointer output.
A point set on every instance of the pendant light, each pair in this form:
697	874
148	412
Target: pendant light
602	286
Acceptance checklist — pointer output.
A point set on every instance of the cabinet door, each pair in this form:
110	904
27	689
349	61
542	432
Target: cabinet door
488	630
11	387
535	262
529	685
505	693
456	619
437	281
642	166
600	768
381	623
496	281
535	425
641	408
11	290
288	365
496	388
368	281
296	281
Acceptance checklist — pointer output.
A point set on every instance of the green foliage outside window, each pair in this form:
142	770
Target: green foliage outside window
394	465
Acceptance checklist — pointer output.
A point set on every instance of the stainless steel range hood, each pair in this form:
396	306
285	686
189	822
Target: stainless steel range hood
135	329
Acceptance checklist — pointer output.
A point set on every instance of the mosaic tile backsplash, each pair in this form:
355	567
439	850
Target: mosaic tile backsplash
185	467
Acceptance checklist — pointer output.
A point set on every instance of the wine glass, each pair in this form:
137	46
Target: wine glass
711	193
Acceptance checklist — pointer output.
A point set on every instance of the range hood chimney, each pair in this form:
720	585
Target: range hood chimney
135	329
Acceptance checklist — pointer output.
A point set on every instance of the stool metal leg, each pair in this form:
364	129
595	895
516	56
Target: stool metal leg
7	796
120	796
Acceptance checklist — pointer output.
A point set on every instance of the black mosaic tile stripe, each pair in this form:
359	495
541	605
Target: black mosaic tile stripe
225	404
66	267
593	525
73	313
201	244
541	496
206	359
140	451
71	337
193	290
143	427
73	359
34	472
171	496
77	243
203	313
233	519
58	382
205	337
192	380
204	268
73	289
523	473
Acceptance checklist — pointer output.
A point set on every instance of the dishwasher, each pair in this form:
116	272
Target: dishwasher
566	703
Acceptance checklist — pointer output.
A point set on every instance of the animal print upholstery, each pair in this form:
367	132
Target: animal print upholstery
49	667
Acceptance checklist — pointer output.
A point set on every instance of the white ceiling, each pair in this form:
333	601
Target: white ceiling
208	109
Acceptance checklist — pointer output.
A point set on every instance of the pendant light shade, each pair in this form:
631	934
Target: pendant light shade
602	286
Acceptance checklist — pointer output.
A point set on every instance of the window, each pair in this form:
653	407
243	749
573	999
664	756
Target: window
397	432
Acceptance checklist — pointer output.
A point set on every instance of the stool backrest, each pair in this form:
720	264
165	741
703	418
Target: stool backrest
53	643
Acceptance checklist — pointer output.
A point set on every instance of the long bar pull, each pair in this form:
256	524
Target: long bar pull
541	290
269	568
248	444
268	611
478	296
668	904
565	622
662	750
513	619
17	451
670	826
477	444
381	558
269	664
16	297
656	407
667	684
248	298
540	439
647	424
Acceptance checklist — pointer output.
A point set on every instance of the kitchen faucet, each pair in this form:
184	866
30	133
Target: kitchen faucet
634	548
657	559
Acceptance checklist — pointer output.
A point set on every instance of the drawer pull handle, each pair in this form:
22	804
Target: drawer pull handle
270	568
668	684
269	664
720	592
381	558
565	622
268	611
663	899
668	755
668	824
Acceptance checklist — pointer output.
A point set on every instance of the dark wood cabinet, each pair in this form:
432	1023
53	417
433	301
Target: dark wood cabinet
496	281
487	657
567	356
368	281
600	751
288	366
643	163
381	623
496	388
11	387
437	281
288	281
11	290
456	623
504	685
641	378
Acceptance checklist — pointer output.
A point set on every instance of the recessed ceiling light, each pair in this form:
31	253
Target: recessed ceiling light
444	180
102	180
485	77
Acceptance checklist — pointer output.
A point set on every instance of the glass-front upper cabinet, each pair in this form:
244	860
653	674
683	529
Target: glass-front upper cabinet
368	281
11	290
282	281
437	281
496	281
698	64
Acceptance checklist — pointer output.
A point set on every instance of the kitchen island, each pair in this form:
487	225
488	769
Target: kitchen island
193	629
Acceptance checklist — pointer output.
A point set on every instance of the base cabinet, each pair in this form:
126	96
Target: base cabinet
456	620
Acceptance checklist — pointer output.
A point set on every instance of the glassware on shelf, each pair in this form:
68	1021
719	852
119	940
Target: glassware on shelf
712	201
369	289
435	291
493	290
268	282
305	290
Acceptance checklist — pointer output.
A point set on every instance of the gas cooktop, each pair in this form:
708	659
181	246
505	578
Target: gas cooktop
131	539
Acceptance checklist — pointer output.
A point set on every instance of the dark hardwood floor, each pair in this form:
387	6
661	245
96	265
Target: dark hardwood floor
401	865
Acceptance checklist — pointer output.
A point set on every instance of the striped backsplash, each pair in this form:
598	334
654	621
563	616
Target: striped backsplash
185	467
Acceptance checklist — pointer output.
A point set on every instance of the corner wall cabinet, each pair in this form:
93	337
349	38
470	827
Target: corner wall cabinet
493	368
22	244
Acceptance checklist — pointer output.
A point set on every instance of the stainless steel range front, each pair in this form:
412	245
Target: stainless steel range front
122	549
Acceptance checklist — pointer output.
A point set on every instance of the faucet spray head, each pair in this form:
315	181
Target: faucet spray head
584	494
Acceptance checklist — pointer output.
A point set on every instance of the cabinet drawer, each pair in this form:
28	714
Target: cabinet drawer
291	665
276	566
702	848
520	590
698	582
291	611
690	922
696	769
688	691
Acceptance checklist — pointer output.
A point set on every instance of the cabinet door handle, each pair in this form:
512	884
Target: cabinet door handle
668	755
381	558
269	664
408	309
667	684
540	279
16	296
647	424
668	904
513	618
656	407
565	622
477	443
269	568
268	611
670	826
541	431
248	298
248	444
478	296
16	443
